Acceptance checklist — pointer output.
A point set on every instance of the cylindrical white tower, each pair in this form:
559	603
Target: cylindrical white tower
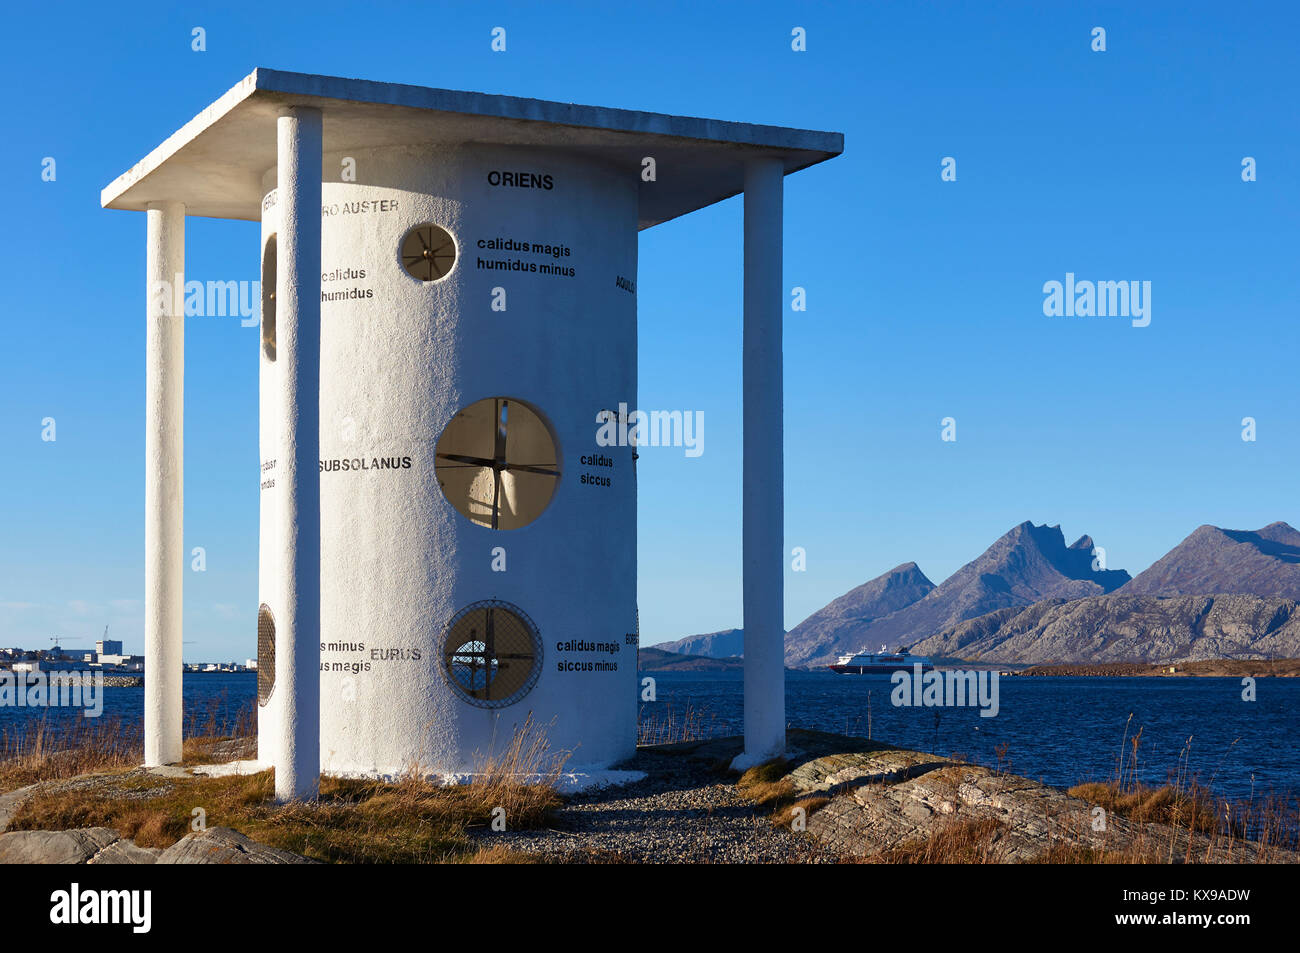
478	533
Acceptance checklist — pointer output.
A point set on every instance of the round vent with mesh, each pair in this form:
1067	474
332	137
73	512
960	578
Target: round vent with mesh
265	654
492	654
268	299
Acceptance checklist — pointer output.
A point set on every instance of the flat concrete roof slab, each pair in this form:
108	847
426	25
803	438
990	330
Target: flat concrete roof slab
215	162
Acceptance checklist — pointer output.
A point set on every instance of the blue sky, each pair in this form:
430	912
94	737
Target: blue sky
924	297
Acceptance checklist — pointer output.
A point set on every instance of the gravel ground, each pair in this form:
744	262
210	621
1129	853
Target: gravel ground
120	786
683	812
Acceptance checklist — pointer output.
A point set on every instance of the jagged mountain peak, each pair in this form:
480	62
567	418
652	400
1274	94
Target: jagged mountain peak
1027	563
908	572
1262	562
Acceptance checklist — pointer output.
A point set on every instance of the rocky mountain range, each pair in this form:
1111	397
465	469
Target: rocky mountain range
1025	565
1030	598
655	659
1122	628
729	643
1265	562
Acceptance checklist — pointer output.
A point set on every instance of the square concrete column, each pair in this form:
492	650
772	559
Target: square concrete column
763	470
164	543
297	292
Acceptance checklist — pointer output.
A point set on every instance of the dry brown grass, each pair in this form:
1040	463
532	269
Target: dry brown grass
764	784
41	751
809	805
153	812
410	820
1186	806
676	725
354	821
962	842
766	787
218	722
1063	852
1188	810
500	854
522	778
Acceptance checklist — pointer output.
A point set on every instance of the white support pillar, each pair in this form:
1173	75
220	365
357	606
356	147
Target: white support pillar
763	471
164	498
297	292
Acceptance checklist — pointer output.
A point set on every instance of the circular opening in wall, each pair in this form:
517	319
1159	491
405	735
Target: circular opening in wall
492	654
497	464
428	252
265	654
268	299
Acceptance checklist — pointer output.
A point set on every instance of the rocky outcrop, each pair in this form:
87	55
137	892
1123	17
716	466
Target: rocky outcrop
126	852
102	845
886	801
221	845
1126	628
865	800
55	847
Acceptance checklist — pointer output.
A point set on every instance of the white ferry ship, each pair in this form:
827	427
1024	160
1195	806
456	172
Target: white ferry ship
880	663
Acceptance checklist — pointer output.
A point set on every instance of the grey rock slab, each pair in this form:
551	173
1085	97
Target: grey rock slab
890	812
126	852
55	847
221	845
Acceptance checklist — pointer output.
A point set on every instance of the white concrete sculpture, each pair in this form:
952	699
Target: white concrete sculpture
445	548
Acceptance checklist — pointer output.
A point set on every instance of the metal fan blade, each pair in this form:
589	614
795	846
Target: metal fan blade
496	501
527	468
510	490
502	410
466	459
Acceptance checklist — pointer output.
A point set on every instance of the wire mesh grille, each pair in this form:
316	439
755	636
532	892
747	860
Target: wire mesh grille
268	299
492	654
265	654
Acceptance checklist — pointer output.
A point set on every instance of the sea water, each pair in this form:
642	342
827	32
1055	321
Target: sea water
1062	731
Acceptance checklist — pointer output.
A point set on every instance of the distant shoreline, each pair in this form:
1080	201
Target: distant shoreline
1208	668
654	660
